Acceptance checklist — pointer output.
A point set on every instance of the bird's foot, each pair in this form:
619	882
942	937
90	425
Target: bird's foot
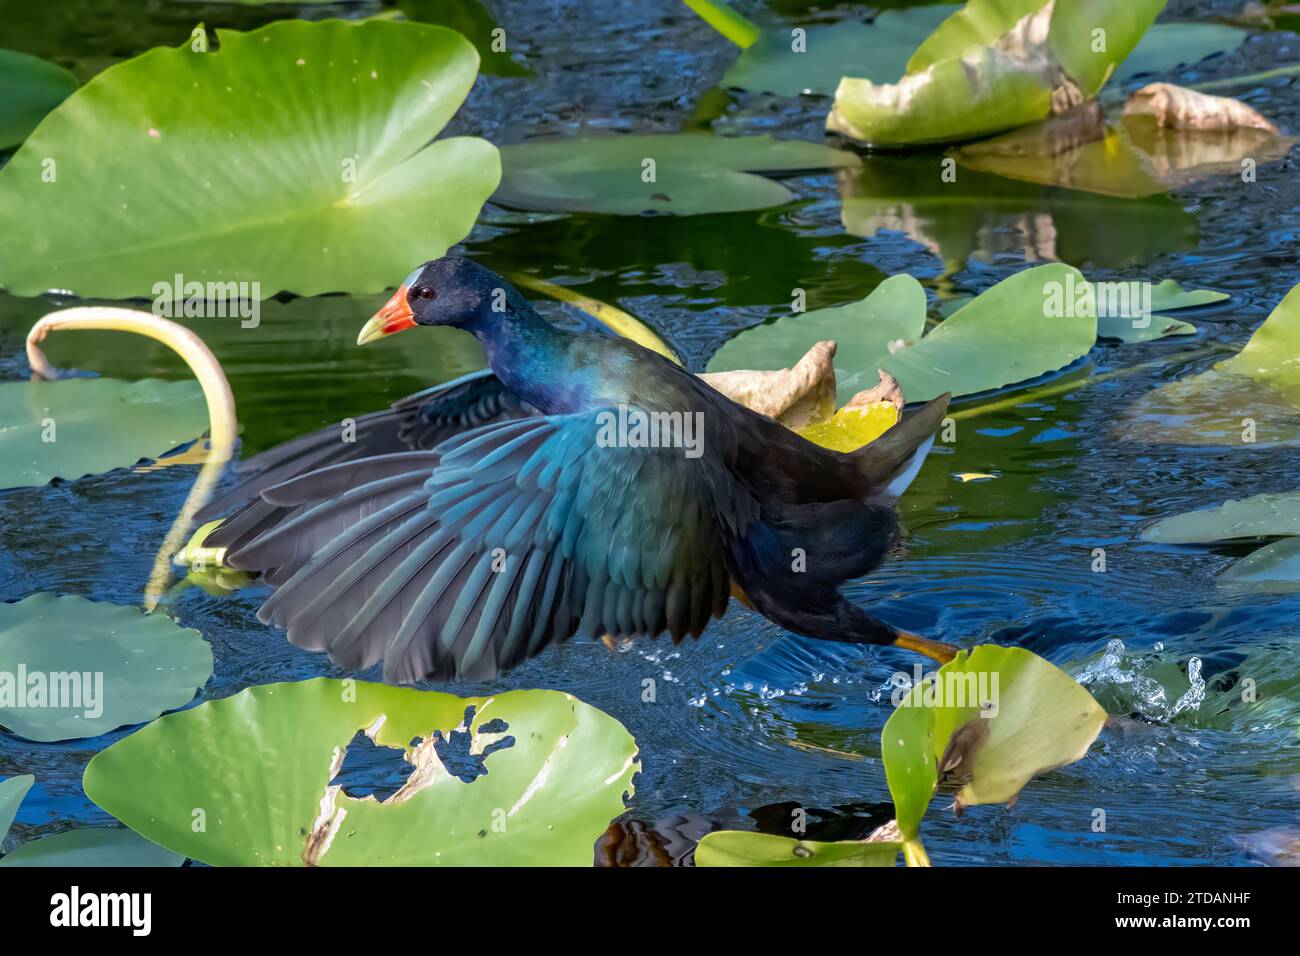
935	650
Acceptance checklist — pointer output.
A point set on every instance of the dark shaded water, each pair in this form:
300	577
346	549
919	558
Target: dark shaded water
750	717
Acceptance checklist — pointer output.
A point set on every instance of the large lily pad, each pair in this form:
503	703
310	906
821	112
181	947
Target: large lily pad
962	91
693	173
104	665
82	426
29	88
324	196
742	848
863	331
877	51
974	24
1252	397
262	766
988	720
1009	334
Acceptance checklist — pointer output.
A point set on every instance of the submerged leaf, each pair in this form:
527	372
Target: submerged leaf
518	778
82	426
29	88
331	195
988	720
95	666
742	848
680	173
1276	563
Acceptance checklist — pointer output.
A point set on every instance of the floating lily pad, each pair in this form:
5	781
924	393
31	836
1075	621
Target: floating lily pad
547	773
91	846
326	196
1260	516
72	668
989	720
12	792
894	312
1009	334
83	426
741	848
1253	397
1165	296
29	88
693	173
964	91
1167	46
975	24
877	51
1276	563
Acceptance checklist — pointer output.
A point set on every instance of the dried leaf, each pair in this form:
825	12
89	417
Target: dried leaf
1176	107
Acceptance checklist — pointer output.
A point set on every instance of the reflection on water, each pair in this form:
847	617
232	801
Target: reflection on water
750	722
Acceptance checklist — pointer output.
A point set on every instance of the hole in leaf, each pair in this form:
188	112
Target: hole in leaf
456	749
370	769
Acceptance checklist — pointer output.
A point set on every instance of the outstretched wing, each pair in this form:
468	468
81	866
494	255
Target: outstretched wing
415	423
501	541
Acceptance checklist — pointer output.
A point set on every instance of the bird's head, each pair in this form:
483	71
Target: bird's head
448	291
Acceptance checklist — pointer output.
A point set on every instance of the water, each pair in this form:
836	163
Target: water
750	721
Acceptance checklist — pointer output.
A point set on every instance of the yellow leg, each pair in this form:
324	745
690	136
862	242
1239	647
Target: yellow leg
936	650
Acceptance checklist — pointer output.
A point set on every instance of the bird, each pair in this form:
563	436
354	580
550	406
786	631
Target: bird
581	484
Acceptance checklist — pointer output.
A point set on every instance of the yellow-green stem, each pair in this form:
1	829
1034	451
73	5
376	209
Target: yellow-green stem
222	424
739	30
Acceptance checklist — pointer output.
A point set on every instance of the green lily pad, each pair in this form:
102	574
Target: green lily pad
995	85
1007	335
1276	563
1157	327
1165	296
326	196
893	312
31	87
1259	516
104	665
91	846
82	426
693	173
877	51
1167	46
262	767
12	792
1169	296
1038	718
1253	397
742	848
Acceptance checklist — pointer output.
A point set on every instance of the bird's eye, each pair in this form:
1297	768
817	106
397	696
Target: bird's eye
424	292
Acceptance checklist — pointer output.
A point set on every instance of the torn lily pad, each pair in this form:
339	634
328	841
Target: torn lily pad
31	87
1251	398
546	775
968	82
987	721
324	197
683	174
83	426
72	668
1130	311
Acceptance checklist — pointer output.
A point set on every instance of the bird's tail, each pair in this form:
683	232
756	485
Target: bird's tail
891	461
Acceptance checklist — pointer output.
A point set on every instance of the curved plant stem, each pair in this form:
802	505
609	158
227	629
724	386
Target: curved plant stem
612	317
222	424
914	853
740	31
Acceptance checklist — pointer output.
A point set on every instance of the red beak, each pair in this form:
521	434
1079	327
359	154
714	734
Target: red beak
393	317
